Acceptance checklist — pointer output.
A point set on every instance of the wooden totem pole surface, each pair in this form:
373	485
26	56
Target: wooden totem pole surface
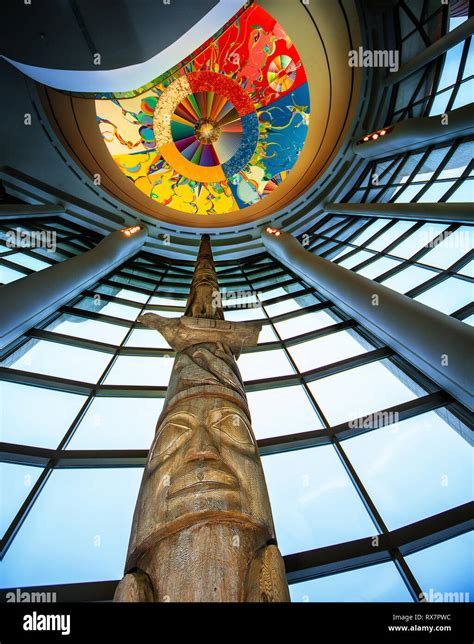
202	528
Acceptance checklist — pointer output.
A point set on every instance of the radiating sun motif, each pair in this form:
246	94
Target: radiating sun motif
207	131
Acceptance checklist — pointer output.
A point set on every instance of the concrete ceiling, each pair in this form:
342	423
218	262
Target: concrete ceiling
65	34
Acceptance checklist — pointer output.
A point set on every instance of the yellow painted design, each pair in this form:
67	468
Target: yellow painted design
188	169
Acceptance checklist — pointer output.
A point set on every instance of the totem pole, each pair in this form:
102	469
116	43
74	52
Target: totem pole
202	528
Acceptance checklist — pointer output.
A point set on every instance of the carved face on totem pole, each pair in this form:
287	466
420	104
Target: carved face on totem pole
204	455
204	458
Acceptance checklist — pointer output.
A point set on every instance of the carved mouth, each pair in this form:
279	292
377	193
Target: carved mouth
200	487
198	477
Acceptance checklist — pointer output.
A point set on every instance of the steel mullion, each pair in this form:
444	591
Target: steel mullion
319	413
465	176
341	557
459	75
405	572
394	180
450	151
92	315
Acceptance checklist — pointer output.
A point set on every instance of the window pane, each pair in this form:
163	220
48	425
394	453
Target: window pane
264	364
367	389
451	64
407	193
445	568
418	239
127	281
440	103
390	235
379	583
63	361
290	305
108	308
275	292
240	315
404	487
341	253
408	278
164	313
267	334
26	418
30	262
370	231
314	502
323	351
452	248
118	423
89	329
18	480
8	275
239	298
448	296
167	301
379	266
77	529
123	293
306	323
468	269
286	410
140	370
435	192
469	320
455	21
147	338
356	258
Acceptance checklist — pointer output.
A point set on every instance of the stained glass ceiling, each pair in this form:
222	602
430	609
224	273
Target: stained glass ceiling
221	130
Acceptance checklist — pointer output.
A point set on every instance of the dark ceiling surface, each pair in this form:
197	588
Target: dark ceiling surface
65	34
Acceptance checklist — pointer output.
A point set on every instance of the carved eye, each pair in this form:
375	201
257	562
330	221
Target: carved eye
233	427
170	438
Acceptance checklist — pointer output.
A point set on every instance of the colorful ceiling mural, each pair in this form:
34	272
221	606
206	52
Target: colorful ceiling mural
220	131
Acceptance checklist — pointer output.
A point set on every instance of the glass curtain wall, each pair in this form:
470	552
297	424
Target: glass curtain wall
340	421
367	462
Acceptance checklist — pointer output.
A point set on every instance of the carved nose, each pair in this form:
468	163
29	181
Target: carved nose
202	446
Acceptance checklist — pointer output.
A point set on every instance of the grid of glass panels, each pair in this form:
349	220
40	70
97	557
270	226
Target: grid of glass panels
81	395
30	245
429	261
445	83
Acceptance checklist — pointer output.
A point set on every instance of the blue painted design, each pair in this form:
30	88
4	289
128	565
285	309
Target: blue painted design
247	146
283	129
